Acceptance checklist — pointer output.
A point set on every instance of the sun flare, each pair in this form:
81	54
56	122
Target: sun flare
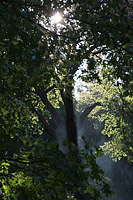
56	18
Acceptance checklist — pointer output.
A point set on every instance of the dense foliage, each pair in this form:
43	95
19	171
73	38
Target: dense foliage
113	119
39	60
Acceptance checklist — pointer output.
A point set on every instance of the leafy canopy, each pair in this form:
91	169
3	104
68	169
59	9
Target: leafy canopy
35	53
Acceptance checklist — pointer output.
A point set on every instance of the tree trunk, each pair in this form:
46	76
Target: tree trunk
70	121
71	129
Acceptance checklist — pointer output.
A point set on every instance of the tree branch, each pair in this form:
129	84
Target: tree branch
94	24
50	88
48	129
87	111
47	31
43	95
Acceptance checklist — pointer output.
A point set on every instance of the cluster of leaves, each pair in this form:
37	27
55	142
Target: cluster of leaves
32	167
45	172
113	119
33	53
118	125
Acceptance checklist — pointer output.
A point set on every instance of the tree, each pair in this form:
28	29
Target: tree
113	119
100	129
118	124
39	58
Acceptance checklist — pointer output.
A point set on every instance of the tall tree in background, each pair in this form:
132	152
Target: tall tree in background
39	61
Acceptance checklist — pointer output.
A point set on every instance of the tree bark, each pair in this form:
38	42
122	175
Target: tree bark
87	111
43	95
70	118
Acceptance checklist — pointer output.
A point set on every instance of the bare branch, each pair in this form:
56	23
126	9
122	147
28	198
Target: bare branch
87	111
43	95
50	88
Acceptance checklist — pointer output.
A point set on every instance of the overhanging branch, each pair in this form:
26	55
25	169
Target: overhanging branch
42	93
87	111
47	31
50	88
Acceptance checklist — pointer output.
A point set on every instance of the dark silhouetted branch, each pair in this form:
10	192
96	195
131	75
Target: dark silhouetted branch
47	31
87	111
42	93
50	88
